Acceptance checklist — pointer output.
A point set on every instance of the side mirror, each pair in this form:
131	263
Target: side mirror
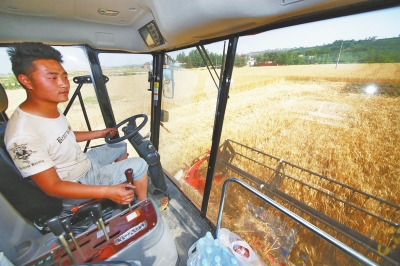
150	79
168	83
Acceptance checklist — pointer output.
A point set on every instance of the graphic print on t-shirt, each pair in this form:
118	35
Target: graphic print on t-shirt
20	152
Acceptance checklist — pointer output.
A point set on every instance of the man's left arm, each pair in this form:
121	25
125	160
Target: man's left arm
95	134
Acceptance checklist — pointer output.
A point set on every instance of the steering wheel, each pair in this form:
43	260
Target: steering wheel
130	130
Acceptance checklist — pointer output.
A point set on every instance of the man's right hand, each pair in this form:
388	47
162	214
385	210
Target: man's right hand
122	193
52	185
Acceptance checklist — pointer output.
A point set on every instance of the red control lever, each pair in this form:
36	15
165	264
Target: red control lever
129	179
76	208
128	174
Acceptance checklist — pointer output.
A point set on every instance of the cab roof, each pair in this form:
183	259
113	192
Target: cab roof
114	25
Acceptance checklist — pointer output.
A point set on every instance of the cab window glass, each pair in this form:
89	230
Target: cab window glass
128	86
186	138
312	121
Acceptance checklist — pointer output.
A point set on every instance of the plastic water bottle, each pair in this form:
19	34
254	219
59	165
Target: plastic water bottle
204	262
216	246
215	251
200	246
234	261
217	261
208	254
208	238
226	256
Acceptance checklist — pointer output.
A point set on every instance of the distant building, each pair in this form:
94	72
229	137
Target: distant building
147	65
268	63
178	64
251	61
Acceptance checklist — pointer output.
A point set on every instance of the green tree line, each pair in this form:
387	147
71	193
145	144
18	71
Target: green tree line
194	59
369	50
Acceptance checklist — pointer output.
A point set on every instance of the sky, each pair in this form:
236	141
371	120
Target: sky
383	24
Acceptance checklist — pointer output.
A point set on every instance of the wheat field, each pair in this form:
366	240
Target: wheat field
307	116
309	121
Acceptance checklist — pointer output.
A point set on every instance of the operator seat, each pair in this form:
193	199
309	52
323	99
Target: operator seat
28	199
22	202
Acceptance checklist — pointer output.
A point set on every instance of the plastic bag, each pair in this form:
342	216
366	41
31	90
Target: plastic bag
240	248
4	260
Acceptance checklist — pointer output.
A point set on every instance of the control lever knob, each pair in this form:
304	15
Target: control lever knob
128	174
66	223
95	212
55	226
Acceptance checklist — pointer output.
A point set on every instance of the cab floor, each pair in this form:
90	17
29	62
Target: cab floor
184	221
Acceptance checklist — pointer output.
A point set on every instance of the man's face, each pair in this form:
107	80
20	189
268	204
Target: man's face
48	81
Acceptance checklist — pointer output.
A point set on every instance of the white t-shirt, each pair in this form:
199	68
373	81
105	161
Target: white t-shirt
37	143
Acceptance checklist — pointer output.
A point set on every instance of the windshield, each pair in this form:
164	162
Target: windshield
311	121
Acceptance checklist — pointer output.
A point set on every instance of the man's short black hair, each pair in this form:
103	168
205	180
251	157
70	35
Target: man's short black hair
23	54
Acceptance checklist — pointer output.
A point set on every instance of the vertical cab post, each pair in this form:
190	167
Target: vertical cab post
156	96
100	87
219	119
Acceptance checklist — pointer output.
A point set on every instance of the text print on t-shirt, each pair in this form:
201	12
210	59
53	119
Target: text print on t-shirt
64	136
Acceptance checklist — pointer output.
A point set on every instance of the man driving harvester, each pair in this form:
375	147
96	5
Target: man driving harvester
43	146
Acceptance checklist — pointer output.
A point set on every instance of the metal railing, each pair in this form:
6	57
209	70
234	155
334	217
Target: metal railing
346	249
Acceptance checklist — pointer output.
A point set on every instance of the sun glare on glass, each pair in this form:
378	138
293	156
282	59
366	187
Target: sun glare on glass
371	89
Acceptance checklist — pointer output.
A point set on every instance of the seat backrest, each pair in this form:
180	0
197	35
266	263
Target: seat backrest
30	201
3	104
18	198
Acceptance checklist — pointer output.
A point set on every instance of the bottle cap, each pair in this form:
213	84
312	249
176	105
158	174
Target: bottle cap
208	250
